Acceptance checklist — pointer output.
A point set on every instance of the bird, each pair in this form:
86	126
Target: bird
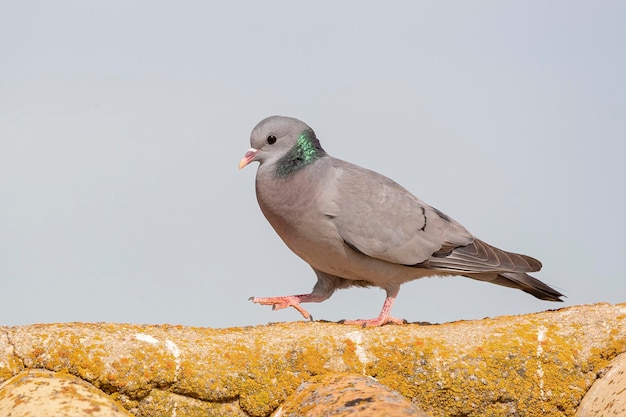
356	227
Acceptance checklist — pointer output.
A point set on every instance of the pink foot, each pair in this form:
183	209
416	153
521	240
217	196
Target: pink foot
278	303
379	321
383	317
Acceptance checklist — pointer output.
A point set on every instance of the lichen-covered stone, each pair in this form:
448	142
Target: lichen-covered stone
162	403
10	363
532	365
344	395
43	393
607	396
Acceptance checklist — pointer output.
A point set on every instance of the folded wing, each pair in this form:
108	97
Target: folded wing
379	218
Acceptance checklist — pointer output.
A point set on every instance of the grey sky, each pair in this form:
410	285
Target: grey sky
122	123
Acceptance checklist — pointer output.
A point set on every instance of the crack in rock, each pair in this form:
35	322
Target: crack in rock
14	351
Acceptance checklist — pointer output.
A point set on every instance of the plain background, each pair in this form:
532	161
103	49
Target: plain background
122	123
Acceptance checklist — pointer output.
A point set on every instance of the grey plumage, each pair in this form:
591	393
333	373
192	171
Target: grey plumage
357	227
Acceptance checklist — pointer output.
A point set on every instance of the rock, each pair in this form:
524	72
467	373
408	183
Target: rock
532	365
607	396
43	393
343	395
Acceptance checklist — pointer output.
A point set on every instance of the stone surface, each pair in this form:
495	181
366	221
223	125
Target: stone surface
532	365
344	395
607	396
44	393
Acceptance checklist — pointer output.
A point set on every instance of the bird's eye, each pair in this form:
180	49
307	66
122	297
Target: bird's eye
271	139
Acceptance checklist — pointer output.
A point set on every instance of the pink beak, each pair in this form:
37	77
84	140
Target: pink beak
248	157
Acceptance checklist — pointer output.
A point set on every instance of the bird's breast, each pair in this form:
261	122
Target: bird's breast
297	209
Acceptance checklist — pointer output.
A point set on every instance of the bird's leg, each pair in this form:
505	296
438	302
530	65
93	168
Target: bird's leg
383	317
324	288
294	301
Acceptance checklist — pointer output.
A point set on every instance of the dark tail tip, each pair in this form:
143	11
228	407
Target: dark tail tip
533	286
545	295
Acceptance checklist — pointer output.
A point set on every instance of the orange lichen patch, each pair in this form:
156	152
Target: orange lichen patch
349	356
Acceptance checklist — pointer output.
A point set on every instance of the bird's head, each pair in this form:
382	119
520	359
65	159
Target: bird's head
285	142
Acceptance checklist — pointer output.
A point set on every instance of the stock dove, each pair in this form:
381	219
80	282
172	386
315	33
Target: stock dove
355	227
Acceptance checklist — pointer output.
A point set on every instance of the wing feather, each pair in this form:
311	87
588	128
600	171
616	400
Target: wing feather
377	217
381	219
482	257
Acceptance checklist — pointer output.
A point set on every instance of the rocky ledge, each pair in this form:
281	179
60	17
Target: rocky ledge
532	365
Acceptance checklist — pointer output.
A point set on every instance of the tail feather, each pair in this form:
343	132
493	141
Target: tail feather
522	282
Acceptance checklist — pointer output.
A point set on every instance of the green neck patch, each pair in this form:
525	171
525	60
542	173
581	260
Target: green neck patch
306	151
